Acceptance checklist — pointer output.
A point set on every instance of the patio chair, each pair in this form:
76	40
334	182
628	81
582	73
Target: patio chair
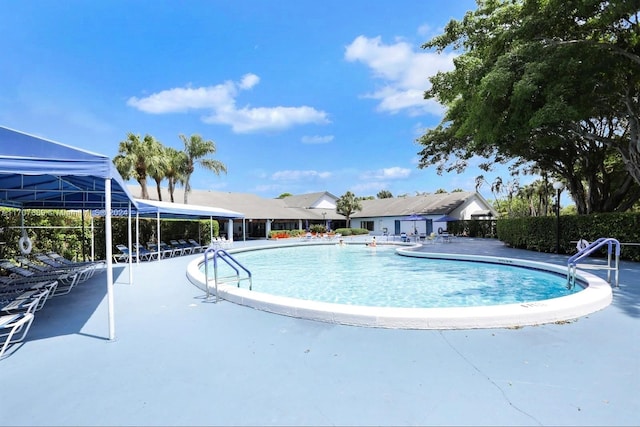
96	265
123	256
23	302
13	329
170	250
50	266
224	242
66	280
86	270
197	247
178	245
145	254
188	247
164	252
13	286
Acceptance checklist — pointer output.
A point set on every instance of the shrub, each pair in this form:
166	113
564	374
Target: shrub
539	233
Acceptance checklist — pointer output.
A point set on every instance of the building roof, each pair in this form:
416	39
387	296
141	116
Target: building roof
303	206
427	204
251	205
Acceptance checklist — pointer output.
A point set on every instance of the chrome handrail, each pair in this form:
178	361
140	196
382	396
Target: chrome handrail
231	262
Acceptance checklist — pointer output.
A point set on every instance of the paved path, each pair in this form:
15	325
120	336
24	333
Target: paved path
179	360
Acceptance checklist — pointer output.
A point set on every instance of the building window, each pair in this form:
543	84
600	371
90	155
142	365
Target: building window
367	225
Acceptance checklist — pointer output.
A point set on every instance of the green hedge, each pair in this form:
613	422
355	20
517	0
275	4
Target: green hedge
352	231
49	230
539	233
63	232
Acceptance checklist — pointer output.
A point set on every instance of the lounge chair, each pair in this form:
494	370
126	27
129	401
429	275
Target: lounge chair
13	286
97	266
85	270
13	329
197	247
188	247
172	251
165	252
52	267
123	256
23	302
145	254
66	280
178	245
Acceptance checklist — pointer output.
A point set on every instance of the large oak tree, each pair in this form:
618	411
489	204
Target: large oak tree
551	84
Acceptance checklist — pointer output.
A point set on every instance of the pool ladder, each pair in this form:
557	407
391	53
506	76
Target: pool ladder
572	262
231	262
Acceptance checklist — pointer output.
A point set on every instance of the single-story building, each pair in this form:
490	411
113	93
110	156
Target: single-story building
379	216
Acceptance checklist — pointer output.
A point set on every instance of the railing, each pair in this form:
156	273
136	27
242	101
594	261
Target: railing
231	262
572	262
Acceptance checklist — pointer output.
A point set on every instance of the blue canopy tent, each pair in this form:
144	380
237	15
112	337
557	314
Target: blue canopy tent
36	173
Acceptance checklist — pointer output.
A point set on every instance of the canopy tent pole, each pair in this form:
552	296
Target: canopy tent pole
210	230
158	232
108	251
93	242
130	243
137	237
84	258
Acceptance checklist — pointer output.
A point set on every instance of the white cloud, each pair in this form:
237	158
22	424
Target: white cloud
220	101
402	72
317	139
387	174
297	175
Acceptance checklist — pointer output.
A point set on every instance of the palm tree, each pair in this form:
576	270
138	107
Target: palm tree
195	149
136	158
174	174
347	205
158	169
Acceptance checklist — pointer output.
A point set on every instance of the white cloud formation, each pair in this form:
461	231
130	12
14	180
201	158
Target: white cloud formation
297	175
220	100
387	174
317	139
402	71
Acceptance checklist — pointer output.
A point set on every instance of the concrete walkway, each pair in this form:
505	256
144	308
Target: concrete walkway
179	360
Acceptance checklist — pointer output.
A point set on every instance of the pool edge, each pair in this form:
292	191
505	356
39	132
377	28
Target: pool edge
596	296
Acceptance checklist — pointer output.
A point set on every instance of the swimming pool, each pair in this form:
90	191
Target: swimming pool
407	291
379	277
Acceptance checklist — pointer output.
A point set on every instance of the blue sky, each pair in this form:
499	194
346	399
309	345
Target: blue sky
299	96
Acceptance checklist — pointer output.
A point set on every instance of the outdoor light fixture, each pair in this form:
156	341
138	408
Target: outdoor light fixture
558	186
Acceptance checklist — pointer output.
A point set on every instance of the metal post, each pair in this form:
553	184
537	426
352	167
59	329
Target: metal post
558	186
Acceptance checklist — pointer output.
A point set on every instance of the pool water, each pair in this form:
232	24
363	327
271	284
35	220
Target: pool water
378	277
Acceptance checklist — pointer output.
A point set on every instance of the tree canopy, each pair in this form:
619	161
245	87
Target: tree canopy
347	205
550	85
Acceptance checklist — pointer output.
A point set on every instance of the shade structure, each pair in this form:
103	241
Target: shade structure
37	173
149	208
414	217
446	218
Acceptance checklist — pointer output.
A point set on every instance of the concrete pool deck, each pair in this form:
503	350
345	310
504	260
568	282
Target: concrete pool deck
178	360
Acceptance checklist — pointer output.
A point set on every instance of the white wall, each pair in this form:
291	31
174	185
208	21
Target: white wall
325	202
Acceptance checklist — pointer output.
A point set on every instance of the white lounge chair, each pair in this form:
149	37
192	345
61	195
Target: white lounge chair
13	329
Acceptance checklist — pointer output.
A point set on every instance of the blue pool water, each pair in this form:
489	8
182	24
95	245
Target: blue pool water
358	275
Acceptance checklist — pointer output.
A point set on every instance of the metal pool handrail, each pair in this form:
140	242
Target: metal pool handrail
231	261
572	262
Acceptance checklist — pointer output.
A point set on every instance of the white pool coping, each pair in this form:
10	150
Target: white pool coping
596	296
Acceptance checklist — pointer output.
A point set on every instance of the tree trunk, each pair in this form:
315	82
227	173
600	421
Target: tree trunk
143	187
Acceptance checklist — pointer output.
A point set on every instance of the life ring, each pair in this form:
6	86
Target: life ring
440	230
25	245
582	244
